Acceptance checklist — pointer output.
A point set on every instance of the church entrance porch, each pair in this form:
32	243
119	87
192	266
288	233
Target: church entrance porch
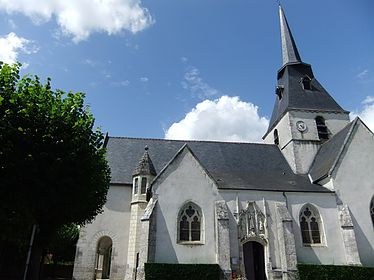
254	261
253	241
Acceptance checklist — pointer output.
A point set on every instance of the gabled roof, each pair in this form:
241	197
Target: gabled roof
231	165
330	152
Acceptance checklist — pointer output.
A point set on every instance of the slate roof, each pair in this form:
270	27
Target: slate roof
329	153
231	165
145	165
289	49
293	96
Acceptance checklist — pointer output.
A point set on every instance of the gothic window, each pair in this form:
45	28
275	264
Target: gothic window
306	83
143	185
276	137
136	185
372	209
323	133
310	225
190	223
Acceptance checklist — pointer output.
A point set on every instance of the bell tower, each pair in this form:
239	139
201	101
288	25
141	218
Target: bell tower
304	114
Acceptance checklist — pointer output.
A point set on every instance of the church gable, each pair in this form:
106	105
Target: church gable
186	196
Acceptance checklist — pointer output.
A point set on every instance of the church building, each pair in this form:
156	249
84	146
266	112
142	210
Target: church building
305	195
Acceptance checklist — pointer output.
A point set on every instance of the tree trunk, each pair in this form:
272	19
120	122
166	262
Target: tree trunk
35	259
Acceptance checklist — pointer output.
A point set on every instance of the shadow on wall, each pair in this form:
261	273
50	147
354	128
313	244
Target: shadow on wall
308	252
165	252
365	250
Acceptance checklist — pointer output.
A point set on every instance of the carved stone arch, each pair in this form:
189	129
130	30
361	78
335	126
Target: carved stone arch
100	234
252	224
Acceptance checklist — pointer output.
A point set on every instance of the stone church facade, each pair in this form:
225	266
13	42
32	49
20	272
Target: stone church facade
306	195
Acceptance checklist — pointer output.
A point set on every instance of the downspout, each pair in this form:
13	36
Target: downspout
284	194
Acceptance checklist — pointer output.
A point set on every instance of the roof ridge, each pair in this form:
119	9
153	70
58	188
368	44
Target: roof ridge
189	141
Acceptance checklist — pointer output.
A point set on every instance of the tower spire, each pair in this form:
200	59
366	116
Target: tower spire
290	53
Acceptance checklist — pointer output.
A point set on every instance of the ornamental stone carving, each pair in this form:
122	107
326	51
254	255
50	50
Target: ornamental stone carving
251	223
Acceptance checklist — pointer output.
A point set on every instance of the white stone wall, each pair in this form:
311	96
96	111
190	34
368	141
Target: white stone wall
113	222
353	181
184	180
300	148
331	251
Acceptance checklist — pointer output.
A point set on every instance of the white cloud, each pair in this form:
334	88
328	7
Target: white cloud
12	45
362	74
80	18
367	113
224	119
144	79
368	100
196	85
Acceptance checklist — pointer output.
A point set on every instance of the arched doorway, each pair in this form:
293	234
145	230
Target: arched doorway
254	260
103	258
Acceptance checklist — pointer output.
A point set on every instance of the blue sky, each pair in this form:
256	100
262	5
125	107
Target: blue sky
189	69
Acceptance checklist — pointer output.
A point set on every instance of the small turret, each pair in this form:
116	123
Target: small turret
142	176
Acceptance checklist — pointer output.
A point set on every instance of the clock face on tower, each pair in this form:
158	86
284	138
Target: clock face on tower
301	126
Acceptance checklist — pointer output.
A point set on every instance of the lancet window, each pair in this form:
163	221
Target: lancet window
190	223
310	225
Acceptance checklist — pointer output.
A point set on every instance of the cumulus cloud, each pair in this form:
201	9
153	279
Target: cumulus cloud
80	18
367	113
224	119
12	45
196	85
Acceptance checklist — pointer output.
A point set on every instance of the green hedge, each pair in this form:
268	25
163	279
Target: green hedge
335	272
165	271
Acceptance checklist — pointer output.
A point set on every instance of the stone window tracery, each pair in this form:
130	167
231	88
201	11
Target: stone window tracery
310	225
190	223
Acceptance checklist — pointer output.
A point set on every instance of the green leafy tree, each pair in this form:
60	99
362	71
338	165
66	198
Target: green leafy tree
53	169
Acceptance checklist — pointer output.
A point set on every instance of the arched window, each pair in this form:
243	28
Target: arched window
310	225
143	185
103	258
276	137
306	82
136	185
190	223
372	209
323	133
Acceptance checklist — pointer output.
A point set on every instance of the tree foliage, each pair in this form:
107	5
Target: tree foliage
53	169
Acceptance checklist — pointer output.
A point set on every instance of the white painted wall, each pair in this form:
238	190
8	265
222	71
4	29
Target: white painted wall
184	180
354	184
332	249
113	222
300	148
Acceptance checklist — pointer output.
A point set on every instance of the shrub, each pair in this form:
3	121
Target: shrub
165	271
336	272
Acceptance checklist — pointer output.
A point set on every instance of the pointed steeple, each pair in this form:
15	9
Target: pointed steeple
145	166
297	88
290	53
